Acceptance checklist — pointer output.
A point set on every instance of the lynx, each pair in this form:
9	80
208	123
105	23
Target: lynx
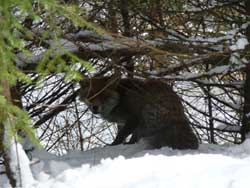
147	109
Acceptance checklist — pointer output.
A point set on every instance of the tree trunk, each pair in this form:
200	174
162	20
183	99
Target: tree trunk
246	108
129	65
11	174
245	129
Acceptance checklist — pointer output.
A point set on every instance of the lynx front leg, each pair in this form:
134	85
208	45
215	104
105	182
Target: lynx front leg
129	128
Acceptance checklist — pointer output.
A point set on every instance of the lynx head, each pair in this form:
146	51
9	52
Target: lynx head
99	94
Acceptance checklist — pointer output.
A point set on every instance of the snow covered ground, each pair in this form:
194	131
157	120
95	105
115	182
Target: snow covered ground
131	166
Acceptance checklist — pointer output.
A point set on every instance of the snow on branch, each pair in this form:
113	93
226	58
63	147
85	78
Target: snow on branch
224	69
87	44
227	128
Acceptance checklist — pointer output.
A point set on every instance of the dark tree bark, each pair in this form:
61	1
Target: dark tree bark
246	108
3	132
129	65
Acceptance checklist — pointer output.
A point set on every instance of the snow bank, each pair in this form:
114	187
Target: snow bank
19	163
150	171
129	166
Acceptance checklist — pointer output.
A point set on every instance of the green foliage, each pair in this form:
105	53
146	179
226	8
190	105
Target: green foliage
2	100
15	119
59	65
74	13
13	40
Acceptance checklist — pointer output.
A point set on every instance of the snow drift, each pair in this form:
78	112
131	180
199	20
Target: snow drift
127	166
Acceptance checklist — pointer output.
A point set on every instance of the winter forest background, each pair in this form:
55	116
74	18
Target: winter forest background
201	48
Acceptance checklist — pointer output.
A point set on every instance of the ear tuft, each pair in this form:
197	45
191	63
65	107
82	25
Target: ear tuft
84	83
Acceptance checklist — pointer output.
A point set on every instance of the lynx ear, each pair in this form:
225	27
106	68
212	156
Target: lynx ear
100	82
84	83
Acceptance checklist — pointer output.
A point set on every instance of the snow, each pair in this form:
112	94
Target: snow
151	171
240	44
219	69
128	166
224	127
20	163
88	33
